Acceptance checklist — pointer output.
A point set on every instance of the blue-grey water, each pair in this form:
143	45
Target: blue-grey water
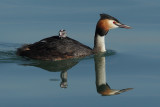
132	59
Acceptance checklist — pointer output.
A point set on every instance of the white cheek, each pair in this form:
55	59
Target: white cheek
112	25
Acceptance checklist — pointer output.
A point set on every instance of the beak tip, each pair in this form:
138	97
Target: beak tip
128	27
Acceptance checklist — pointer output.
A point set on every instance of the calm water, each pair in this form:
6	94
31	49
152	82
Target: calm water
131	64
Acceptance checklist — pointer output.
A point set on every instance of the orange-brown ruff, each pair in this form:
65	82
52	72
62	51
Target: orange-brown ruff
103	24
60	48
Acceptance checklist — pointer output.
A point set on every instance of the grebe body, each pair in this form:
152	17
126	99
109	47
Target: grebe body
62	47
55	48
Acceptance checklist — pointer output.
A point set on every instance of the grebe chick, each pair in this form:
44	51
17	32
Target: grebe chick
55	48
62	33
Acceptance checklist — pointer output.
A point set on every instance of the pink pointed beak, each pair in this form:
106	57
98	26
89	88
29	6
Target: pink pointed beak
123	26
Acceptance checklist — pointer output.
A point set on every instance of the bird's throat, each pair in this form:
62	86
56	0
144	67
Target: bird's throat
99	44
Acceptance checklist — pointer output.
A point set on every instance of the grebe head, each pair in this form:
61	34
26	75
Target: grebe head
108	22
62	33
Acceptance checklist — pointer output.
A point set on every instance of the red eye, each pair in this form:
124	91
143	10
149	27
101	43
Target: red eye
114	22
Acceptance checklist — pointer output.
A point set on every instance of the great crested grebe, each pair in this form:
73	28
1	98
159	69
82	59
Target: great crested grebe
62	34
61	47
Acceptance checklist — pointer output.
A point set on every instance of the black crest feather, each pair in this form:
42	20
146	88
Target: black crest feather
106	16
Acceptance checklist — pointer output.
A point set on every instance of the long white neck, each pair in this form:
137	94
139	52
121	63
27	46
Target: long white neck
100	70
99	43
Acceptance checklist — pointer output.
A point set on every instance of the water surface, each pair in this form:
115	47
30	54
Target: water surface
131	62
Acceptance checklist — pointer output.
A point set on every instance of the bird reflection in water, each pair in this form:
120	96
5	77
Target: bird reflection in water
100	70
63	83
56	66
102	87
